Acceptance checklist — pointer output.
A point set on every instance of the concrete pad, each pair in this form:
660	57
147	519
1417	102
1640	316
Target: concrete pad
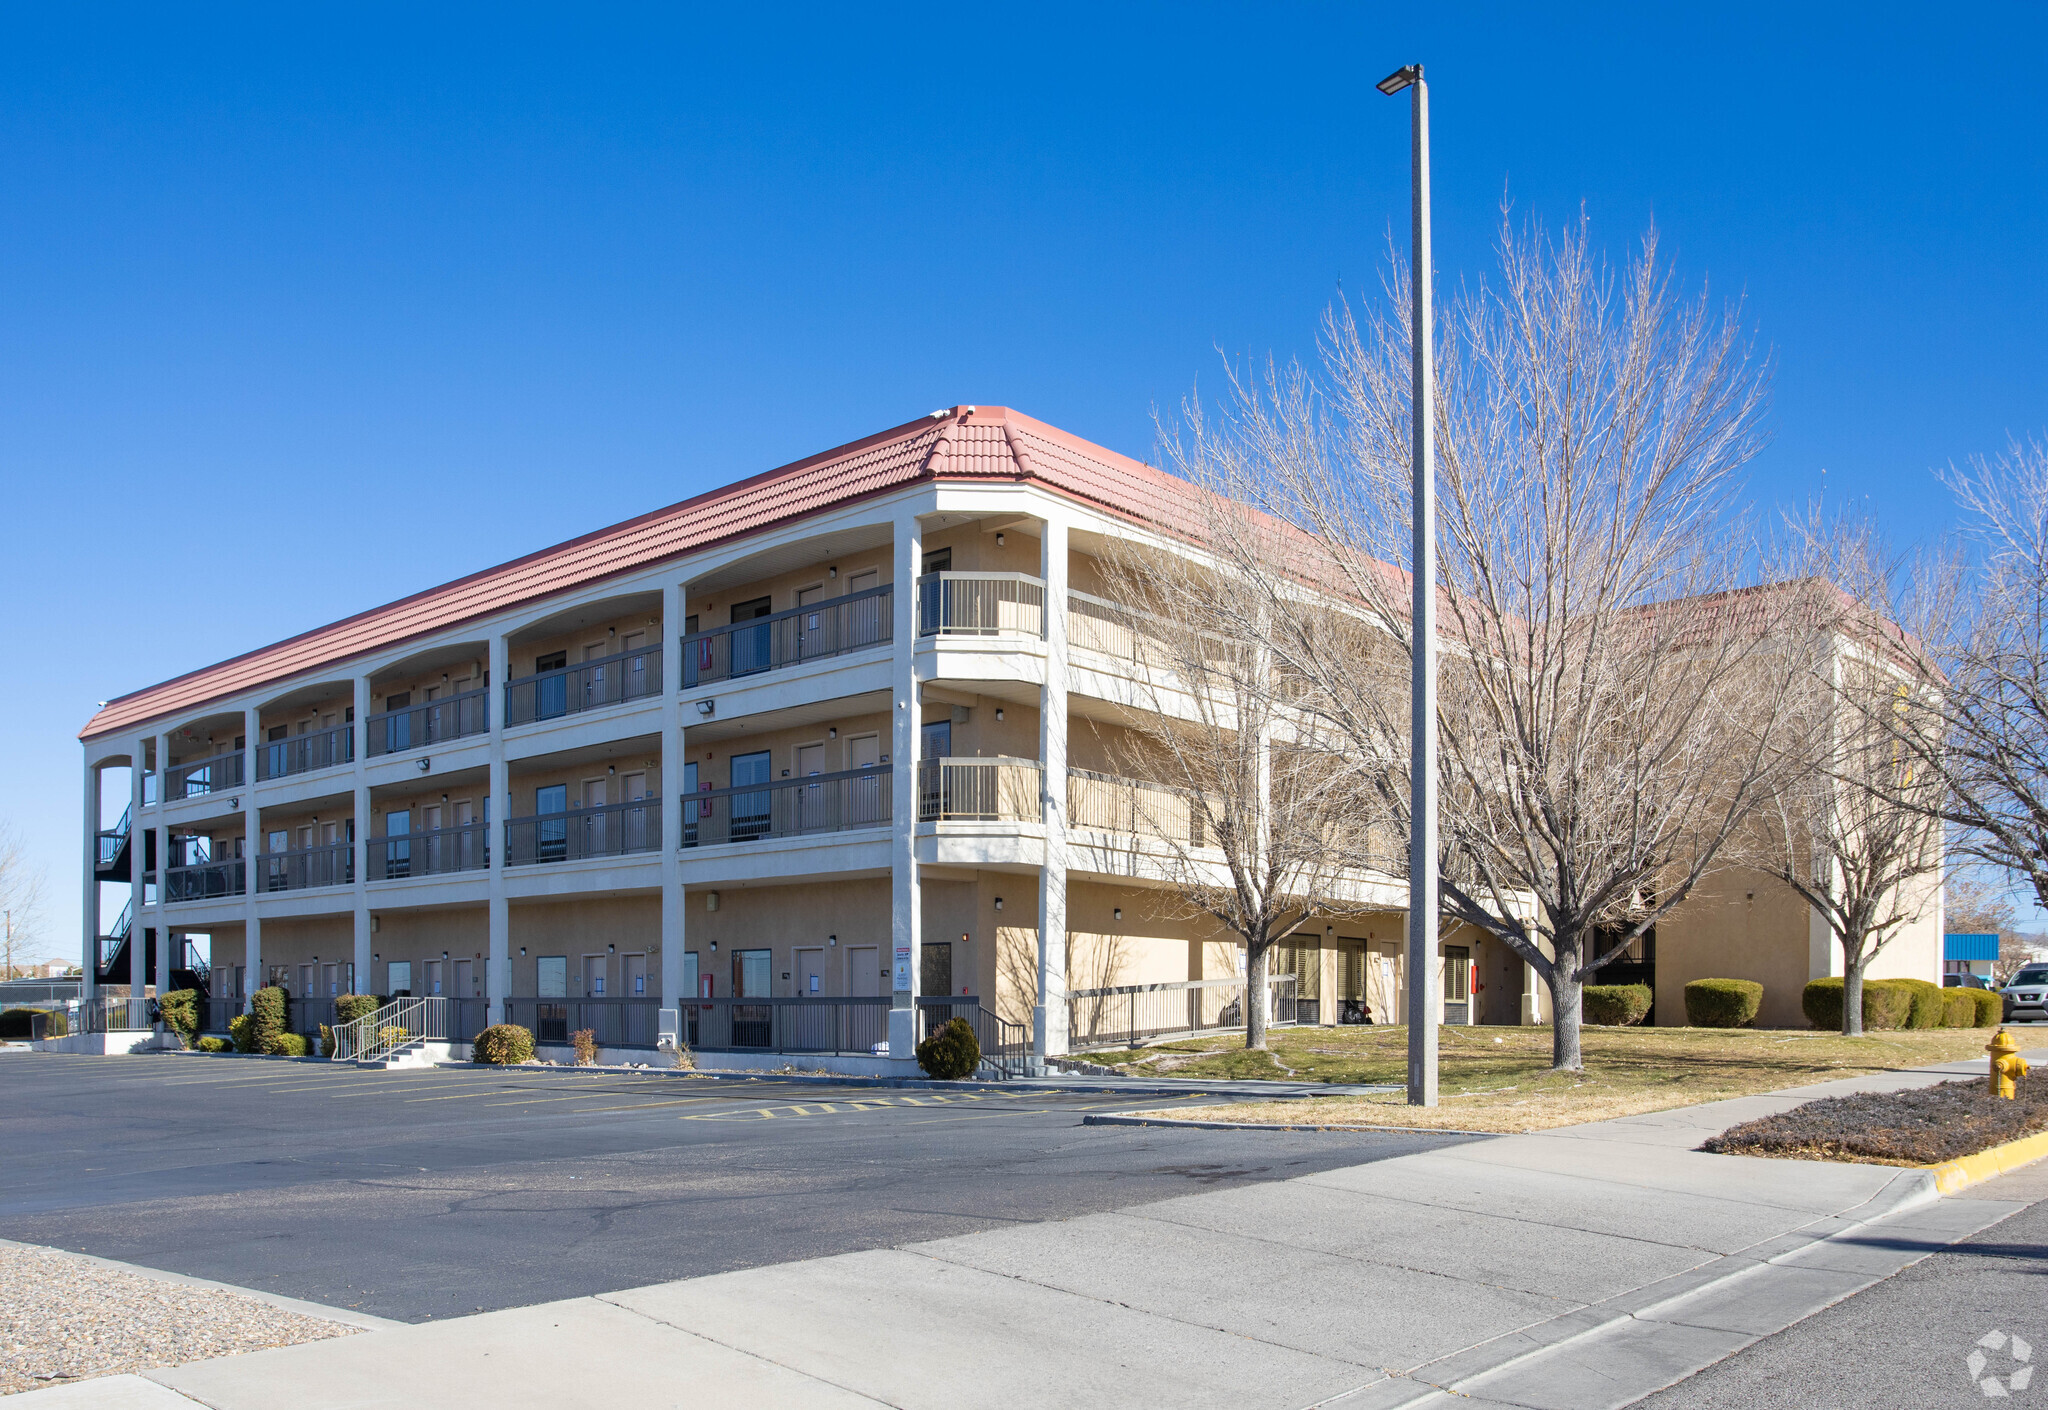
106	1393
1722	1222
560	1355
1371	1314
927	1335
1546	1259
1607	1370
1817	1187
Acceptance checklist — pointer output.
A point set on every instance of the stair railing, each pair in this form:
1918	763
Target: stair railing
397	1025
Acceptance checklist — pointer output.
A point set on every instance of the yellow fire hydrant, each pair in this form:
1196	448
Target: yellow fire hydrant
2006	1064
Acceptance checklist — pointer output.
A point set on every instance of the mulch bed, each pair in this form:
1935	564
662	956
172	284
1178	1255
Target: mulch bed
1923	1126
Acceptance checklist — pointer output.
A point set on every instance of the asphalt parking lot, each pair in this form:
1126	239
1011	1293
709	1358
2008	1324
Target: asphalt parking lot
444	1191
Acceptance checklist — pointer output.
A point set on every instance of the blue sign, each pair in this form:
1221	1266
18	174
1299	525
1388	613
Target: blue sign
1966	946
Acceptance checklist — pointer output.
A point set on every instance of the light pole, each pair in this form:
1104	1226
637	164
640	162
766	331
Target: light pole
1422	907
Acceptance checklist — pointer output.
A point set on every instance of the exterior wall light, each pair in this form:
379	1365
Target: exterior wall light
706	707
999	903
425	763
1118	913
831	939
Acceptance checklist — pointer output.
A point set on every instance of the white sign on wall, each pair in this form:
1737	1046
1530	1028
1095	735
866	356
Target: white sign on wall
902	985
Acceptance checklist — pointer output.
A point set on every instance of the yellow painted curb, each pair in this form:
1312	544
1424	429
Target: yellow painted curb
1953	1175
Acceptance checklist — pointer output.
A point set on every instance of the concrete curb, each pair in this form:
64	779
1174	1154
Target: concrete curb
1953	1175
1099	1120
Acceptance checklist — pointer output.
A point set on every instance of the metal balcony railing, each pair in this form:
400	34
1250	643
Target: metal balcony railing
1110	803
787	1025
1128	1014
203	776
328	864
205	881
303	753
116	1015
613	1023
588	685
981	790
431	722
809	633
111	839
980	604
789	807
611	830
437	852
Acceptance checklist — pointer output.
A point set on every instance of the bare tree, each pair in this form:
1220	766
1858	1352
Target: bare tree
1227	791
21	898
1853	826
1976	905
1605	720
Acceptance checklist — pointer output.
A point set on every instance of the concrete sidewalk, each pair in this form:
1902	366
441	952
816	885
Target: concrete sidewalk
1583	1267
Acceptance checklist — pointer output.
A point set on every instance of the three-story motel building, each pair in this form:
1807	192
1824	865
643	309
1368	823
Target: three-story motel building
787	765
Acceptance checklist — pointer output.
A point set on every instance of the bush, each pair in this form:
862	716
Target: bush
19	1025
242	1031
291	1045
1929	1002
350	1007
215	1045
1722	1003
1616	1005
585	1040
503	1045
1990	1007
180	1012
266	1007
951	1053
1887	1003
326	1041
1958	1010
393	1035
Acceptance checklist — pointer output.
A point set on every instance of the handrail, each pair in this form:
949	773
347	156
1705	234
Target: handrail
434	852
787	807
185	781
811	632
999	789
397	1025
585	685
607	830
306	753
429	722
1114	803
1123	1015
980	604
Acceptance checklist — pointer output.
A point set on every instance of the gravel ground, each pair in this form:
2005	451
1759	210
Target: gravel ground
62	1319
1915	1127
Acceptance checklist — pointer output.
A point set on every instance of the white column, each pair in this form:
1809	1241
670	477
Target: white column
673	753
359	981
1049	1016
906	918
89	915
252	843
498	975
138	971
1532	1008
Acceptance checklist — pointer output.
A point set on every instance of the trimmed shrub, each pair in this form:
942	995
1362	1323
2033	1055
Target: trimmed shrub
291	1045
1616	1005
951	1053
179	1010
215	1045
242	1031
1957	1010
266	1006
503	1045
1929	1003
350	1007
1886	1003
392	1034
1722	1003
19	1025
1990	1007
585	1041
326	1041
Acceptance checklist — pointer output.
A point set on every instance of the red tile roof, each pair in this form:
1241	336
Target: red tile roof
966	443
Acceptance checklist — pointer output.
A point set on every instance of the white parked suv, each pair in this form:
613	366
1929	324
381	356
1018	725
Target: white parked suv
2026	993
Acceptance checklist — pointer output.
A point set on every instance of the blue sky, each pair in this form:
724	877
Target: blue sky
305	311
